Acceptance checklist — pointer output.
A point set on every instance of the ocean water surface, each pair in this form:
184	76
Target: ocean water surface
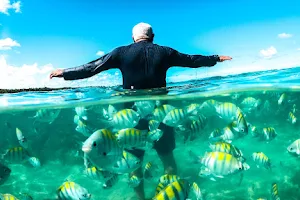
236	138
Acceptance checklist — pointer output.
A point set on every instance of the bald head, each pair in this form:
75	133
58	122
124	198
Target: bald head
142	31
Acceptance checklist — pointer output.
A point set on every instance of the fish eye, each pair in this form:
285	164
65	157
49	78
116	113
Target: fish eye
291	148
104	153
242	130
240	168
94	144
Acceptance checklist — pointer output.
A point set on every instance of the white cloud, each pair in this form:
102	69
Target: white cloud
34	76
5	5
284	35
100	53
268	53
8	43
298	49
17	6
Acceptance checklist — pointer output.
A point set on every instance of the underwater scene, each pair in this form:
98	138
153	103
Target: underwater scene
234	137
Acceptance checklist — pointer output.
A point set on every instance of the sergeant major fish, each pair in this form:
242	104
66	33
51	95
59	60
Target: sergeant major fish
220	164
261	160
126	118
46	115
15	155
127	164
177	190
294	148
102	149
71	190
8	197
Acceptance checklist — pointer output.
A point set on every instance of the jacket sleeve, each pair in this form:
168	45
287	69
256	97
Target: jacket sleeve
106	62
193	61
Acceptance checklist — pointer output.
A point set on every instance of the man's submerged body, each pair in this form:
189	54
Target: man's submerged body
143	65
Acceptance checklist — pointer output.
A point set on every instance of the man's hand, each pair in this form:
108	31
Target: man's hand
224	58
56	73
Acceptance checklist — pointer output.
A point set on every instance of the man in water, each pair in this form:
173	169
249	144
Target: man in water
143	65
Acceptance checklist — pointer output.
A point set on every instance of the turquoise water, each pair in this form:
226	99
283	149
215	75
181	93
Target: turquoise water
56	143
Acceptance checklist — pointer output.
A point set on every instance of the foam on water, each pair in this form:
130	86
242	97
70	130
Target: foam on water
58	145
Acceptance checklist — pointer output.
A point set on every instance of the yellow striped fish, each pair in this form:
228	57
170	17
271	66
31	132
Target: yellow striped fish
228	111
8	197
134	181
126	118
292	118
196	191
274	192
197	126
226	148
98	174
81	112
261	160
83	128
111	181
71	190
241	123
294	148
144	108
149	170
167	179
249	102
159	188
221	164
255	132
153	124
208	107
160	112
282	99
15	155
132	138
46	115
228	133
269	133
177	190
102	149
175	117
216	133
126	164
193	109
154	135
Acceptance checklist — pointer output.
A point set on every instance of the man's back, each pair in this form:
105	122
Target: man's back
143	65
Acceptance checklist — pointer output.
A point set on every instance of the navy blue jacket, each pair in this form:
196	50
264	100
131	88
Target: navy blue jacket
143	64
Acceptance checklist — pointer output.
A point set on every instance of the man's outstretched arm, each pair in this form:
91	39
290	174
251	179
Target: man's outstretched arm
103	63
193	61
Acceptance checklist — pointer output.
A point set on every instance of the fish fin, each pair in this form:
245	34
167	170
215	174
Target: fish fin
219	176
212	179
84	118
106	123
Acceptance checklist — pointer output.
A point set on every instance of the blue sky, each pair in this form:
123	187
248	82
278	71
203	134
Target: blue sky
61	34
